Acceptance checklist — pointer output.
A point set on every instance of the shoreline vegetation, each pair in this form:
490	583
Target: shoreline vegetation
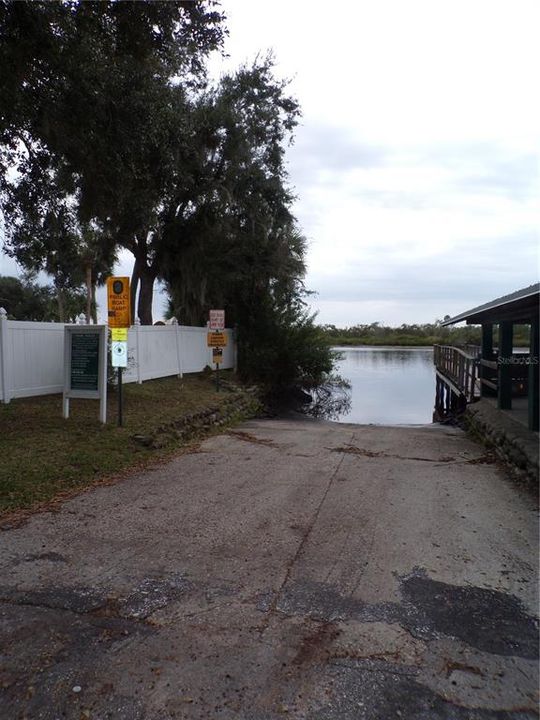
424	335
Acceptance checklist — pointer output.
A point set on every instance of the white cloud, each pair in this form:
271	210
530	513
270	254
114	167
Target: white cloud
415	164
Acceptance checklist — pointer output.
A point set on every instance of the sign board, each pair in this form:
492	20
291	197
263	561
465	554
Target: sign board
217	355
118	302
119	334
216	339
85	366
119	353
217	320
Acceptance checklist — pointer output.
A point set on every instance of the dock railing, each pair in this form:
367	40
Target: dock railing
459	368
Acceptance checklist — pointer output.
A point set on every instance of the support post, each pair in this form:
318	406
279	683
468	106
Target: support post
487	341
120	415
504	364
534	389
486	354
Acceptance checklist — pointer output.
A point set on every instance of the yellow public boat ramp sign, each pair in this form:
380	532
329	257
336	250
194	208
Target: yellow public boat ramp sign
118	302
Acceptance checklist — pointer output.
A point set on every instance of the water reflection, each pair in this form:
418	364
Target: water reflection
389	385
331	401
385	356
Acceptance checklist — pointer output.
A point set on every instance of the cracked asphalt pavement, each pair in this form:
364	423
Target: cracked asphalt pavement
286	569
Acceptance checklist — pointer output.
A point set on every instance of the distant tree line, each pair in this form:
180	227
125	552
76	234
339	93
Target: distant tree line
414	335
112	138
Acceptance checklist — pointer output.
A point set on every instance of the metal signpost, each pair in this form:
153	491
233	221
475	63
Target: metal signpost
85	366
119	316
217	339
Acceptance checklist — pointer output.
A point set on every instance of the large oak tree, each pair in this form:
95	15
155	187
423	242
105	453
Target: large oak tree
92	98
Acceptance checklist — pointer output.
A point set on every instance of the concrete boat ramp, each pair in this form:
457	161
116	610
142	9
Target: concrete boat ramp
287	569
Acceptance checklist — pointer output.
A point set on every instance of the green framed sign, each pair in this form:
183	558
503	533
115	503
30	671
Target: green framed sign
85	366
84	369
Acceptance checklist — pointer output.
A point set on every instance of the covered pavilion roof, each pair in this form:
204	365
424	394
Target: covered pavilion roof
520	306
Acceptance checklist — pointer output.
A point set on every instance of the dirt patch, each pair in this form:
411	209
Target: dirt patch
248	437
352	450
315	646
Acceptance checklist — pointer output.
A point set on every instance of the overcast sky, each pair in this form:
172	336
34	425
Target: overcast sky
416	160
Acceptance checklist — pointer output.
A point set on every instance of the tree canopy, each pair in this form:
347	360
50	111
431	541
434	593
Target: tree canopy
24	299
112	137
93	97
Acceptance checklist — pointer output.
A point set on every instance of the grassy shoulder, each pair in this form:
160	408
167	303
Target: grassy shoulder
45	456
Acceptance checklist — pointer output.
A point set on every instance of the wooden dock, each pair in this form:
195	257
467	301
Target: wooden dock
504	375
463	376
457	384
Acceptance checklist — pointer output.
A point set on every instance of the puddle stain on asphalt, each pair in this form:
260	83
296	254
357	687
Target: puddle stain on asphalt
145	598
488	620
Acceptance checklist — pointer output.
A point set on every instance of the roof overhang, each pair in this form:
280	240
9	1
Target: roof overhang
518	307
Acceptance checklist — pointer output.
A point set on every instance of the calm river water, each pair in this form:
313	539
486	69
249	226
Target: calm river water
390	385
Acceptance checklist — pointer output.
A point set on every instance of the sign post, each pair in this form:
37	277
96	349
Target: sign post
217	339
119	315
85	366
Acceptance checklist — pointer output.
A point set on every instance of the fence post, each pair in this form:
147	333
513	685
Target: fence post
4	358
137	327
174	322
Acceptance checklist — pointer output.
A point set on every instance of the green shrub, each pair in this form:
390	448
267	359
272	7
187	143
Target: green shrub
281	349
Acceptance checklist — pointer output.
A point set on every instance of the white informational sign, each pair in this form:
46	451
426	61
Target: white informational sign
85	366
119	353
217	320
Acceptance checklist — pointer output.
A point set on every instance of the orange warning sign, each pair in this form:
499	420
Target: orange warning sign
216	339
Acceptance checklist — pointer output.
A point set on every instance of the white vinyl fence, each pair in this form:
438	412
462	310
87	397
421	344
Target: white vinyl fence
32	355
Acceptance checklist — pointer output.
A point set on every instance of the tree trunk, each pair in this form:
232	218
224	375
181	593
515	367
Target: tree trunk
134	284
94	304
88	313
146	293
60	303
